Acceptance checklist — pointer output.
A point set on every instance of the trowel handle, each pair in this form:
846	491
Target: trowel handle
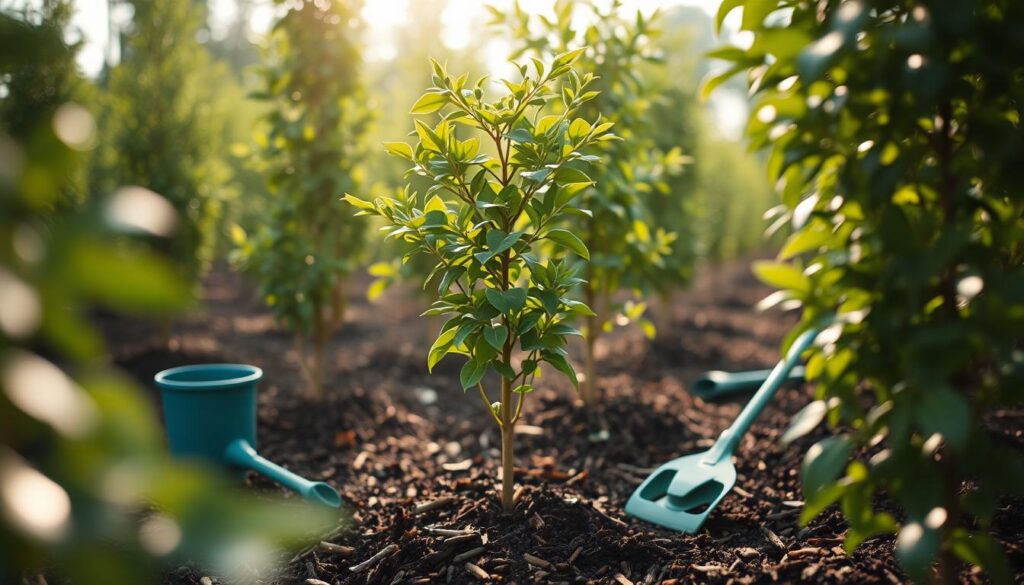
731	436
716	384
241	454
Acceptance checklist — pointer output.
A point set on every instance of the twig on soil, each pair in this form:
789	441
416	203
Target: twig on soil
536	561
783	514
435	504
469	554
460	538
708	568
613	520
518	494
477	571
345	551
360	460
803	552
387	550
578	477
304	552
635	469
312	581
575	555
622	580
446	531
772	537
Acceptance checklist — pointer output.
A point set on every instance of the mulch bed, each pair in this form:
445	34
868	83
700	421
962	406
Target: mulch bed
416	461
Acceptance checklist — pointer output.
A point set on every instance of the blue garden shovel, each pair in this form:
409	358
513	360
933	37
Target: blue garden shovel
682	493
210	414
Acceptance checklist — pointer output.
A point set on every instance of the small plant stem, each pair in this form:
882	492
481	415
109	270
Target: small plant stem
507	457
593	330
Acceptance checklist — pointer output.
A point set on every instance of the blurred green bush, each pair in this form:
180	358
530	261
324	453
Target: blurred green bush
86	490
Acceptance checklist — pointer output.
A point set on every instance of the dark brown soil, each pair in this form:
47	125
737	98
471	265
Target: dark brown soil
392	437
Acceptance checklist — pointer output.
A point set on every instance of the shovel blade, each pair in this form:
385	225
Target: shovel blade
682	493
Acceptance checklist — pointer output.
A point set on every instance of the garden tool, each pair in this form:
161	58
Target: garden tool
682	493
717	384
210	414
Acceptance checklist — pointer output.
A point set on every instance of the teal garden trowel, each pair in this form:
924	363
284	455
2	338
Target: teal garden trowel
682	493
718	384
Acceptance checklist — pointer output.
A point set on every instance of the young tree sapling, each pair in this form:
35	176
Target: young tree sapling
509	310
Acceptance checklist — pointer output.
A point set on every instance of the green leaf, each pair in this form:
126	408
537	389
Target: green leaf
399	149
562	365
429	103
435	204
567	58
471	373
440	348
359	203
570	241
507	302
536	176
496	336
823	463
724	9
504	370
945	411
755	12
916	547
804	241
523	389
984	551
130	281
428	138
781	275
805	421
498	241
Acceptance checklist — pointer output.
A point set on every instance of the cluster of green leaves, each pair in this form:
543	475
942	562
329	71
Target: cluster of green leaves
310	151
88	493
161	129
505	197
895	134
629	246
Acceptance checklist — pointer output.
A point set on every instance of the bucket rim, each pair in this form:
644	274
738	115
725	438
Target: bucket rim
248	374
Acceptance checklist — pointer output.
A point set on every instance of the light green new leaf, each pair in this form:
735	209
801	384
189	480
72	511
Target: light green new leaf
399	149
429	103
781	275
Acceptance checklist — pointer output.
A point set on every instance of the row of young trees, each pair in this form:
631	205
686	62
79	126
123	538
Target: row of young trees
313	149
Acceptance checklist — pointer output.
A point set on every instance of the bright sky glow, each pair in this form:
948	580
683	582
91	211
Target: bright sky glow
462	21
461	18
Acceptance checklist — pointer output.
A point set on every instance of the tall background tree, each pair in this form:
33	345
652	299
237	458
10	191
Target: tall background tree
310	152
628	243
163	123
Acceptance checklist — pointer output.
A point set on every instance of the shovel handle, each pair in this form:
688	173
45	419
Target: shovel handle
730	437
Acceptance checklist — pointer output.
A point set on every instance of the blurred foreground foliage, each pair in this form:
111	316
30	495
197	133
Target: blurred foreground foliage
86	490
894	131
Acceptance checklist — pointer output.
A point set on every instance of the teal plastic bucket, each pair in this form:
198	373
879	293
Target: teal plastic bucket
208	406
210	414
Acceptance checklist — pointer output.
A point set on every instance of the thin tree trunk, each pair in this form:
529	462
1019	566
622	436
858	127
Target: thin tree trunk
507	456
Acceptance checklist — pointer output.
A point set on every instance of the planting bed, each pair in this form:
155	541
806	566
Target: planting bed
415	459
